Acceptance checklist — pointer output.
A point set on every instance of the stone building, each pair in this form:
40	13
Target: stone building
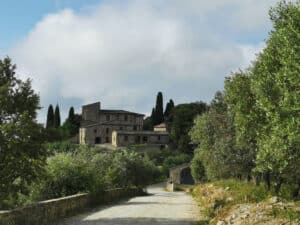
116	127
124	138
160	127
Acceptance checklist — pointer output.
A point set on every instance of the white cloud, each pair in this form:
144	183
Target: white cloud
122	54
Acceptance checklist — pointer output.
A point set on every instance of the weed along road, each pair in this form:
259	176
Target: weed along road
157	208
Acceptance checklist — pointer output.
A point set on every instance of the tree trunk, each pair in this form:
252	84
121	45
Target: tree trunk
278	185
257	179
267	179
296	192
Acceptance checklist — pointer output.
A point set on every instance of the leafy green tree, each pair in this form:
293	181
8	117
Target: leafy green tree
183	116
148	123
246	116
215	135
50	117
276	85
71	126
174	160
57	117
197	169
22	155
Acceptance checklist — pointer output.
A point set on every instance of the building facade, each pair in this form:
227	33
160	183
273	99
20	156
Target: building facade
124	138
160	127
116	127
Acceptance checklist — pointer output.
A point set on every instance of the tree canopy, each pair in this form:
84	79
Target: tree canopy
22	155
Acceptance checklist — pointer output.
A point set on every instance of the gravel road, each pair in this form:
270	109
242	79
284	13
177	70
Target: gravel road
158	208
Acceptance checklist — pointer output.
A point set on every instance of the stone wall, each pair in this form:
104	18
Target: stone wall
47	212
181	174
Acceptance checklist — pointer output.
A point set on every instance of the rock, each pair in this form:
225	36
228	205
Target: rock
245	216
274	200
233	216
221	223
229	199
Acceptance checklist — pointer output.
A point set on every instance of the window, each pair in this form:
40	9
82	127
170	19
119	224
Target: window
145	139
137	139
107	130
107	117
107	140
121	128
118	116
95	131
126	138
97	140
134	127
126	117
158	137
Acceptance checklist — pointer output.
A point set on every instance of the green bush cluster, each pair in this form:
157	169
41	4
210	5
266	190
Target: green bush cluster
81	169
252	128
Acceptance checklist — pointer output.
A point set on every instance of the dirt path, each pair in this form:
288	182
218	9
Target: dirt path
160	207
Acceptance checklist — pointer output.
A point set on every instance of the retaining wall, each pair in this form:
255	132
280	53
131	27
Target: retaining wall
47	212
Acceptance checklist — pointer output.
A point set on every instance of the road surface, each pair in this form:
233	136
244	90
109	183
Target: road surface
157	208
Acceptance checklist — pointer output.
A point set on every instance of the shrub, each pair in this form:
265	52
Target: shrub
197	169
175	160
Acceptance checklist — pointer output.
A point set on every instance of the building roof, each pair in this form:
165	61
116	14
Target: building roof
141	132
118	111
162	125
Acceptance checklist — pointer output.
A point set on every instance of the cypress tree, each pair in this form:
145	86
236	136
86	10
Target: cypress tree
57	117
169	107
50	117
172	105
71	116
159	109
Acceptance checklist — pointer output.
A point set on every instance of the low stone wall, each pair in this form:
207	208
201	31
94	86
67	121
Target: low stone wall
170	186
47	212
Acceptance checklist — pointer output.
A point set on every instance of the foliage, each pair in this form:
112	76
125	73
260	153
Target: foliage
169	107
50	117
276	85
197	169
22	156
71	126
174	160
213	197
66	175
158	116
78	169
56	117
258	129
148	123
61	147
130	169
183	116
215	134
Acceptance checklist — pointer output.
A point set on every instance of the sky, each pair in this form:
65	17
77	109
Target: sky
122	52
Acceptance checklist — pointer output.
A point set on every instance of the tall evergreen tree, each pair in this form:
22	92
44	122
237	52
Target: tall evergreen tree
169	107
57	117
153	116
159	109
71	116
50	117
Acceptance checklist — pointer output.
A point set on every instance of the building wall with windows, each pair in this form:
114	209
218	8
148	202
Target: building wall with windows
125	138
98	124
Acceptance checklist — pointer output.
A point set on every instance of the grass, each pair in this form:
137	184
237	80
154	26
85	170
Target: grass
217	199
